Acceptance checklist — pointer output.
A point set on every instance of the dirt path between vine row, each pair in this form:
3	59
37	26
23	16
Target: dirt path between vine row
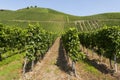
53	66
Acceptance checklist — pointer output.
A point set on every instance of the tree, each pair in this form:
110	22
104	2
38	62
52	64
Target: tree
35	6
27	8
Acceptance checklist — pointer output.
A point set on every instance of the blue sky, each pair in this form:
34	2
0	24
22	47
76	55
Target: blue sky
74	7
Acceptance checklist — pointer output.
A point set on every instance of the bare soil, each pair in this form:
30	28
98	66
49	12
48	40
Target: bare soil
52	67
102	66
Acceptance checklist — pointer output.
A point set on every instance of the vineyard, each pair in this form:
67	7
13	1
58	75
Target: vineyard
87	25
105	42
54	43
32	42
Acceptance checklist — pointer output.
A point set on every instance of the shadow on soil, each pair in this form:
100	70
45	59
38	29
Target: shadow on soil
101	67
62	62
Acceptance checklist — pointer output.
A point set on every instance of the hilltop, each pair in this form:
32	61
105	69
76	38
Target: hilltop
53	20
44	14
54	64
103	16
38	14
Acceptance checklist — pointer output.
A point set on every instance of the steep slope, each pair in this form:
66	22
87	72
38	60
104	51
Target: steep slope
37	14
114	15
53	20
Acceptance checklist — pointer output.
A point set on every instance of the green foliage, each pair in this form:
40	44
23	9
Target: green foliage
102	16
57	20
32	42
11	59
106	41
38	42
72	45
10	67
29	40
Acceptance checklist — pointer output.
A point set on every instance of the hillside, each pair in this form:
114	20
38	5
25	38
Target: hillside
51	19
30	52
103	16
29	14
36	14
109	19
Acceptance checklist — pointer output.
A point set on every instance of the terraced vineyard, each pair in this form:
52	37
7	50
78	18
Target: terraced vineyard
51	20
87	25
27	45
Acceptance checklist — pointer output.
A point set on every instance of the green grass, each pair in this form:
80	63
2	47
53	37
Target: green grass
109	19
11	59
22	17
11	67
103	16
36	14
89	68
90	72
61	20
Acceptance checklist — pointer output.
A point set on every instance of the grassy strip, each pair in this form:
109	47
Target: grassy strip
10	68
10	59
89	72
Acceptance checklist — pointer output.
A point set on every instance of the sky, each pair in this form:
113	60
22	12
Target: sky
74	7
